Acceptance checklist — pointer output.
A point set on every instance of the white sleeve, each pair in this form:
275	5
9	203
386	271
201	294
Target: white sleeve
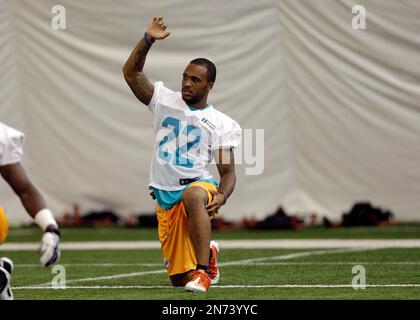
11	146
158	93
228	135
155	97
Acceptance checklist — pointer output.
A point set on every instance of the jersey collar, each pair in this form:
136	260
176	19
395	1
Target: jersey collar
197	109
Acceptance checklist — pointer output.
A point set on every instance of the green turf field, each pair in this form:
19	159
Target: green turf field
245	273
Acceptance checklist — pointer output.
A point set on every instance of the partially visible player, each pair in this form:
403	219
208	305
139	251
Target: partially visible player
189	132
11	151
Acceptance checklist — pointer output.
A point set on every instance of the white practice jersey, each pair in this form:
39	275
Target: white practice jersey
185	139
11	145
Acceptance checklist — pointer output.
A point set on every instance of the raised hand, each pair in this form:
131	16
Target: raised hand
157	29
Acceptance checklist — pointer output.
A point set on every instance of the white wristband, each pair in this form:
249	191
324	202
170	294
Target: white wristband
45	218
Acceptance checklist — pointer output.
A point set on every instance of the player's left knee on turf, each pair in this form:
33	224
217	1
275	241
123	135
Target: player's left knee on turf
181	279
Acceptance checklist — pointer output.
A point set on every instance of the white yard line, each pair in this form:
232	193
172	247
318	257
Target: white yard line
294	255
320	263
319	243
309	263
231	244
230	263
115	276
404	285
99	265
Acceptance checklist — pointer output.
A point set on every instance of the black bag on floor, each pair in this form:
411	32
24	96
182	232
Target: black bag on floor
364	214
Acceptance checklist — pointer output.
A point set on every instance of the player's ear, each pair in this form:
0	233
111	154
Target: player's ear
210	85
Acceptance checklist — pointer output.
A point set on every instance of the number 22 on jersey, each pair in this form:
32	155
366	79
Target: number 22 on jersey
180	158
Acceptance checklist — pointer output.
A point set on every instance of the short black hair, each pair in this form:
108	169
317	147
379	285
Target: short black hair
211	68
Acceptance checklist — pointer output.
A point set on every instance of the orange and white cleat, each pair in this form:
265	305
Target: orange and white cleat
200	282
214	269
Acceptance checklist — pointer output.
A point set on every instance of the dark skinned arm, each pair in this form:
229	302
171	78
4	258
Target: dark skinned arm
32	200
16	177
133	68
226	167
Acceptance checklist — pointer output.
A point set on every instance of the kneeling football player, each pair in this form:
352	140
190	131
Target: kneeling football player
189	133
